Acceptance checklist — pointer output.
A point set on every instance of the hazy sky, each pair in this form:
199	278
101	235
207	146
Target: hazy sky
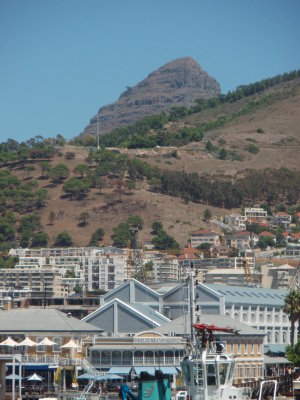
61	60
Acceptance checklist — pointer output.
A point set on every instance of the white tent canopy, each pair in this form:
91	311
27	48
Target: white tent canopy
70	345
46	342
35	377
27	342
9	342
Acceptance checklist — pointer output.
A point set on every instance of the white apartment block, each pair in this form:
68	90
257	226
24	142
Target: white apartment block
237	221
256	213
164	267
36	279
105	271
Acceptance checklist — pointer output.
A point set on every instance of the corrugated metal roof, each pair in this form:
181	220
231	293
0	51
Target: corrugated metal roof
276	360
181	325
41	320
250	295
150	313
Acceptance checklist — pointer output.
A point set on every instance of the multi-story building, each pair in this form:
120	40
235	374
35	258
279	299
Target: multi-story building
105	271
237	221
247	346
226	276
162	267
281	219
92	268
241	240
256	214
13	295
293	249
281	277
40	281
204	236
260	308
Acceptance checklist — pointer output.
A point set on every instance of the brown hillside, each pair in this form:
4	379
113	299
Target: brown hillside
107	210
279	145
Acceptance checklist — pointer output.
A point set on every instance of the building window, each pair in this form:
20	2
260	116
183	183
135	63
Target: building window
284	318
260	370
239	348
253	371
240	371
259	348
269	335
276	318
245	348
245	317
276	337
247	371
261	317
95	357
40	349
253	317
284	336
236	316
252	347
56	346
269	318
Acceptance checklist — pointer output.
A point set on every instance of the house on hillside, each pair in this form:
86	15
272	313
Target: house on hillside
205	236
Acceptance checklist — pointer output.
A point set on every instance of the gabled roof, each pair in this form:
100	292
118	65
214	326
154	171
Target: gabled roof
141	310
28	320
114	292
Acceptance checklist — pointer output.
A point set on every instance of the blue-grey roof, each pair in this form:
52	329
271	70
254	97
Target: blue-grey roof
250	295
150	313
27	320
276	349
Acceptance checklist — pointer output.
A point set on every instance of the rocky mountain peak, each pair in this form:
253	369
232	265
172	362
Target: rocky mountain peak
177	83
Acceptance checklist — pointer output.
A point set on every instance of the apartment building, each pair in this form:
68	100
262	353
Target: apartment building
256	214
40	281
281	220
162	267
204	236
237	221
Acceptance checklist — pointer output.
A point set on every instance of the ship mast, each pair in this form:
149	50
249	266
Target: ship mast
192	303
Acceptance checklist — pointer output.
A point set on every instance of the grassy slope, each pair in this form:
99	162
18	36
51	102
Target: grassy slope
279	146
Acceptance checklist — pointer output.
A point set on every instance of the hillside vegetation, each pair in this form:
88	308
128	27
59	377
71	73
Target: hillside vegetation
221	154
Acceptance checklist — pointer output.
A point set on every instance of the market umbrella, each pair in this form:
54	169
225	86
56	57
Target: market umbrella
11	377
108	377
87	376
46	342
9	342
34	377
27	342
70	345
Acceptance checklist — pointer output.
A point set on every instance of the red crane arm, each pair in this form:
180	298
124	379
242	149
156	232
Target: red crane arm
212	328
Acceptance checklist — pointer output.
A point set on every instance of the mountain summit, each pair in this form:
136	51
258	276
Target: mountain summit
177	83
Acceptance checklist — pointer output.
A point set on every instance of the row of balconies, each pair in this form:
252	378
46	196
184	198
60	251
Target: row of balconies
138	361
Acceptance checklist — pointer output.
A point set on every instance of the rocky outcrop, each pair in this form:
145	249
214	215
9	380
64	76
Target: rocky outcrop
177	83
